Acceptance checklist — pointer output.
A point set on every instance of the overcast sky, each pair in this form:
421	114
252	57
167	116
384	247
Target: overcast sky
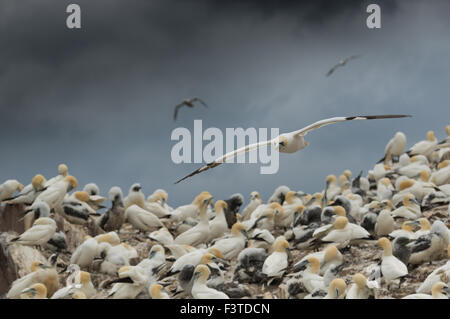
101	99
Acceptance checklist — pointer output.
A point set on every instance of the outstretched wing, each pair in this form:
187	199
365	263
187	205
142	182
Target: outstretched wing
352	57
333	69
318	124
177	107
199	100
226	158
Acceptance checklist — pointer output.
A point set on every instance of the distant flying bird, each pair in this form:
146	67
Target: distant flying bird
342	63
189	103
288	142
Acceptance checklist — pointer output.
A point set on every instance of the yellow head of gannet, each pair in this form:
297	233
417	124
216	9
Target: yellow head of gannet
36	291
447	130
220	206
339	210
424	176
313	264
202	272
38	181
337	288
386	204
316	198
424	224
331	179
79	295
290	196
385	181
280	245
84	277
36	265
340	222
407	183
348	174
360	280
331	253
276	208
72	181
82	196
199	198
408	225
386	245
387	167
408	200
63	170
112	238
216	252
430	136
238	229
440	288
123	269
156	291
443	164
299	209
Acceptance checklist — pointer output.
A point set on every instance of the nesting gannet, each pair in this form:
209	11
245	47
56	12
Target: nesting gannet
111	238
232	246
185	279
162	236
36	291
255	201
405	231
156	259
40	273
442	175
188	103
341	63
29	193
344	232
385	223
279	195
424	147
276	263
332	189
85	253
288	142
54	194
141	219
440	290
261	238
330	213
199	288
193	258
63	171
114	217
199	233
391	267
394	148
311	279
362	288
425	227
156	206
43	229
135	196
430	246
156	291
37	210
384	189
8	188
410	208
265	220
82	284
132	281
337	289
192	210
218	226
439	274
76	208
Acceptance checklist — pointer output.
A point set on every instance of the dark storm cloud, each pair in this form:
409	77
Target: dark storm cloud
101	98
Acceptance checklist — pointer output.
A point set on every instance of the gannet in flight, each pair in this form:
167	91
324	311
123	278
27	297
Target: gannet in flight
288	142
342	63
189	103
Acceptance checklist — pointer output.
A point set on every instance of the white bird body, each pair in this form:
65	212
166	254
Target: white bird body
140	282
218	226
424	147
395	146
350	232
439	274
193	258
441	176
43	229
135	197
200	290
255	201
391	267
162	236
232	246
8	188
142	219
55	194
85	253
